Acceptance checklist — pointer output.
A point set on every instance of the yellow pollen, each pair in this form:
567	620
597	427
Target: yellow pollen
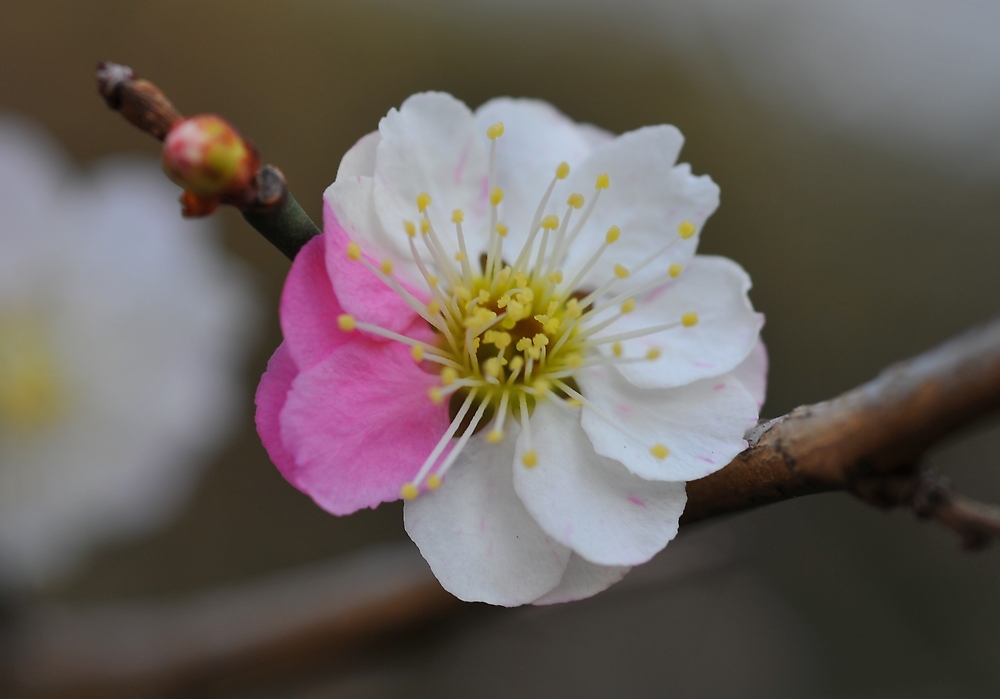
574	361
562	172
653	354
411	229
603	181
425	225
515	310
573	309
463	293
423	201
542	385
613	234
448	376
502	232
659	451
457	216
529	459
436	395
386	267
492	367
675	270
501	340
516	363
540	340
496	196
686	229
522	344
495	131
433	481
621	272
556	277
628	306
408	491
433	308
417	352
573	403
353	251
575	200
550	222
617	349
494	436
432	280
345	322
689	319
460	256
484	296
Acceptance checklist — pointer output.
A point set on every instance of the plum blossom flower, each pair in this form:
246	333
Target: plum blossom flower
505	324
121	328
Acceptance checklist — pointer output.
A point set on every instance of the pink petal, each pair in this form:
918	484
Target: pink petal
309	308
360	424
271	396
360	292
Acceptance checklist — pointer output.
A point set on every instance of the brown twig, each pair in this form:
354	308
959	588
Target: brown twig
265	201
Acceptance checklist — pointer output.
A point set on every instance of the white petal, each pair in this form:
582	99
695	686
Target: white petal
583	579
752	373
702	423
360	159
432	144
537	137
476	535
647	199
351	201
716	289
589	502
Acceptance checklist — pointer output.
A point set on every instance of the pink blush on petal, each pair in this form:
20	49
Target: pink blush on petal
270	399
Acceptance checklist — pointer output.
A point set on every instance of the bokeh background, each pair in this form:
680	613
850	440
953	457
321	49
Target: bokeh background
857	146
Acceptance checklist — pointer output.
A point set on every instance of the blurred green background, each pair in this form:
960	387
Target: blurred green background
860	257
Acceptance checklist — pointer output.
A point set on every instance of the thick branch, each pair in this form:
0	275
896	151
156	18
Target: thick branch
266	202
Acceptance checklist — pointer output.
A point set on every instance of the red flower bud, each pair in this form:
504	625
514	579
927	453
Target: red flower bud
207	157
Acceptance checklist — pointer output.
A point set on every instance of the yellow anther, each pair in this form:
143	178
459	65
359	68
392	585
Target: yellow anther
653	353
574	360
345	322
675	270
503	301
457	216
496	196
575	200
529	459
526	295
523	344
550	222
553	307
417	352
621	272
484	296
562	172
603	181
433	308
628	306
460	256
551	325
501	340
475	343
508	323
502	230
613	234
494	436
516	363
492	367
411	228
573	402
686	229
386	267
617	349
423	201
353	251
534	352
425	225
573	309
448	376
433	481
432	280
520	279
495	131
659	451
540	340
516	310
408	491
689	319
556	277
436	395
463	293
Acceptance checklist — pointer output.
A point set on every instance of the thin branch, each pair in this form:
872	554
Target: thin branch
266	203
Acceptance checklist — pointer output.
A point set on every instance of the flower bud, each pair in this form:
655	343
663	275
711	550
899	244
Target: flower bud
208	158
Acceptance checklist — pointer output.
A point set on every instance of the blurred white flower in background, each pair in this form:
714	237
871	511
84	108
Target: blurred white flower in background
122	329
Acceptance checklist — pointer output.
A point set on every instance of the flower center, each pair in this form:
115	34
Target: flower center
30	383
513	333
